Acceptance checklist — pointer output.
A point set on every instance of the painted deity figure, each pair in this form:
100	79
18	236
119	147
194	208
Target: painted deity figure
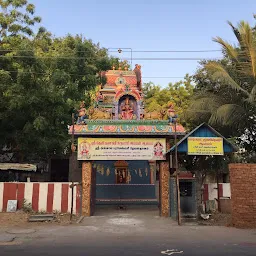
82	115
137	71
99	97
171	113
85	150
158	150
127	110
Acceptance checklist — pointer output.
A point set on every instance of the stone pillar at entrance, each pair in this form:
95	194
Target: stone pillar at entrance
164	179
164	189
87	180
152	168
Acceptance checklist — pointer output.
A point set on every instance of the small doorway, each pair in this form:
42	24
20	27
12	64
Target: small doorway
121	172
121	175
188	198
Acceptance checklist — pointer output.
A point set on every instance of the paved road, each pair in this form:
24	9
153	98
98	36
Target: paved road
132	233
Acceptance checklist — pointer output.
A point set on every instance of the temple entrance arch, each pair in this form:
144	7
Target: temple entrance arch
117	129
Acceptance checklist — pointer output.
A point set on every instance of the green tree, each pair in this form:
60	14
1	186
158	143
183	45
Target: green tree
14	21
226	89
43	79
178	93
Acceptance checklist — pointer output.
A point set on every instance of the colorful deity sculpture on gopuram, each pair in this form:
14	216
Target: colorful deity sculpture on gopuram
120	98
118	103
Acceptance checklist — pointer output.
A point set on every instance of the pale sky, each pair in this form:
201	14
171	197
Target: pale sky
145	25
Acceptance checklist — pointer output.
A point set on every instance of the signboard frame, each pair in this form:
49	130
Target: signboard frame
121	149
205	146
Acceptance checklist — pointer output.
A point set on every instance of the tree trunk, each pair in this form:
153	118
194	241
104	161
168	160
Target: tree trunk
200	177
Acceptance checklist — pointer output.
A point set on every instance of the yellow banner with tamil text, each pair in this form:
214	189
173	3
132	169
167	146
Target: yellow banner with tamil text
205	146
121	149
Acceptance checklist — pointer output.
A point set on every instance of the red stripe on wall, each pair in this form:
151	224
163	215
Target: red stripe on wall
20	194
206	193
9	194
50	197
220	190
64	198
35	197
78	199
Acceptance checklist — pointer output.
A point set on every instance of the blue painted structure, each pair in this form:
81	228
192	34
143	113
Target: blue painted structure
139	190
189	203
203	130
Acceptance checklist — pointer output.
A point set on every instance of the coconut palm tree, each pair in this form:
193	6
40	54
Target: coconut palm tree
230	99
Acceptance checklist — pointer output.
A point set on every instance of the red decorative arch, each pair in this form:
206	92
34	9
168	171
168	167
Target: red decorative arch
133	93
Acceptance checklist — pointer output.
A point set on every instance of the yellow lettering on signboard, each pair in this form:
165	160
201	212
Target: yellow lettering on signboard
205	146
121	149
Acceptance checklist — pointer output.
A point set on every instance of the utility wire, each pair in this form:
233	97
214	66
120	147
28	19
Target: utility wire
172	51
44	73
198	58
81	58
8	50
41	73
163	77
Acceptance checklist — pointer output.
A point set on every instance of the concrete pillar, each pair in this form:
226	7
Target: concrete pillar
152	168
87	180
164	183
116	110
138	109
164	189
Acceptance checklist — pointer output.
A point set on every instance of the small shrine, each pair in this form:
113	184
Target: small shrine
121	96
122	147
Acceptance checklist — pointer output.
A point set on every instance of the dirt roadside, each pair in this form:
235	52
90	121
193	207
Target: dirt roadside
20	219
217	219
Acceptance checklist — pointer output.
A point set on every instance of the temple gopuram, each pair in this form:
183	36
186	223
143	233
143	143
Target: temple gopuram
121	147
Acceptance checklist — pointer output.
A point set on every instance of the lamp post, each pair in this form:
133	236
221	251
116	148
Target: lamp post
177	173
73	164
173	119
120	50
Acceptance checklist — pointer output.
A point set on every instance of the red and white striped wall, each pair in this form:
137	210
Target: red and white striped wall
43	196
210	191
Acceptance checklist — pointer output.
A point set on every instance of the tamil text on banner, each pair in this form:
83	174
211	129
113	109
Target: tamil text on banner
121	149
205	146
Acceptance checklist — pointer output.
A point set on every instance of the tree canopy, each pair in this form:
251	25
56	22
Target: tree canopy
43	79
178	93
225	92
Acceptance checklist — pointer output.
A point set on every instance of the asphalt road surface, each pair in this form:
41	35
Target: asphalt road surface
131	233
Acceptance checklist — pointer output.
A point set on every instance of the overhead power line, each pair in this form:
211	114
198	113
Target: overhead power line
39	73
172	51
73	74
81	58
196	58
163	77
134	51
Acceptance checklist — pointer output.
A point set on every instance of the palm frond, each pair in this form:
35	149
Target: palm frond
231	115
248	41
218	72
235	30
228	48
252	97
207	103
201	108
